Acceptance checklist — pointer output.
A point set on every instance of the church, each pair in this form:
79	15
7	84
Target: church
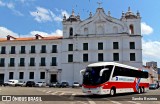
99	38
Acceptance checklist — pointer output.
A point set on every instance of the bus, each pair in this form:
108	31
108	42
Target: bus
112	78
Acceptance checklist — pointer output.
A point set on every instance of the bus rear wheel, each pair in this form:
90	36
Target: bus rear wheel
142	89
112	92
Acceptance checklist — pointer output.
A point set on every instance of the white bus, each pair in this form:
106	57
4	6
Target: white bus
111	78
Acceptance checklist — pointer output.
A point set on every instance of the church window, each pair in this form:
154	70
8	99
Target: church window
71	31
131	29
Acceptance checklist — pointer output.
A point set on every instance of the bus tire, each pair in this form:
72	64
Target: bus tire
112	91
142	89
139	90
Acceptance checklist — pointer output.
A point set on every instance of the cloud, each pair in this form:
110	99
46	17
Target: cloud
146	29
4	32
56	33
2	4
42	15
151	49
24	1
11	6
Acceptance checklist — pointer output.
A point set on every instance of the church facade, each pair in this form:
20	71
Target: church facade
98	38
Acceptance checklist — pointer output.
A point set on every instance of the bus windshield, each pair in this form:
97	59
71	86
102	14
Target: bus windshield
92	75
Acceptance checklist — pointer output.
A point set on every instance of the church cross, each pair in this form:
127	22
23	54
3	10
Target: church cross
99	3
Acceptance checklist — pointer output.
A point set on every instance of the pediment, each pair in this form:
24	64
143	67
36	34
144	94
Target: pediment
101	19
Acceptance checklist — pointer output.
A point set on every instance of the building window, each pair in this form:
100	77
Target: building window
3	50
32	62
21	74
13	50
43	61
85	46
33	50
11	74
131	27
100	56
23	50
115	45
70	47
11	62
132	45
22	62
54	48
54	61
115	56
31	75
2	62
100	46
43	50
71	31
85	57
132	57
42	75
70	58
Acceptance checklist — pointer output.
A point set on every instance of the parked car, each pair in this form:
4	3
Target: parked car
64	84
30	84
75	84
1	83
152	86
20	83
54	84
40	84
11	82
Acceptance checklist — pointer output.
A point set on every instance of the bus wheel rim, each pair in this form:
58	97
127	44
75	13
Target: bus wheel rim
112	92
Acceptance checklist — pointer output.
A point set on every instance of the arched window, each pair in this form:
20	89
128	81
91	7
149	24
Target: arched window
71	31
131	29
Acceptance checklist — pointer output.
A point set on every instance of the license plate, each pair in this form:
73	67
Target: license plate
89	91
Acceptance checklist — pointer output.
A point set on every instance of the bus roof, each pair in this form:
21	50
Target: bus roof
111	63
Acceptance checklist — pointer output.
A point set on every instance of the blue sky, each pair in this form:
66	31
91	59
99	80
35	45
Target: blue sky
28	17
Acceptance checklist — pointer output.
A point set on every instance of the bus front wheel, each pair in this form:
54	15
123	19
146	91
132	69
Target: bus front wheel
112	92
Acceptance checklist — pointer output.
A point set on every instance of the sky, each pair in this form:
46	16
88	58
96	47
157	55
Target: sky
25	18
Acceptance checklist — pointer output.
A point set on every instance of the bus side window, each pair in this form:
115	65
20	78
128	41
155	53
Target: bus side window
116	72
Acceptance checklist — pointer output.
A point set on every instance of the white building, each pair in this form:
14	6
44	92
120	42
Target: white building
97	38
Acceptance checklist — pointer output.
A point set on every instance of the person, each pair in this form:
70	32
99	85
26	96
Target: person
157	84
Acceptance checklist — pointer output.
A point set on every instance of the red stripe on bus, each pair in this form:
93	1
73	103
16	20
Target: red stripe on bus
108	85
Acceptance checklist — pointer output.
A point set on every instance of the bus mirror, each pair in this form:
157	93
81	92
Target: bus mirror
82	71
101	72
